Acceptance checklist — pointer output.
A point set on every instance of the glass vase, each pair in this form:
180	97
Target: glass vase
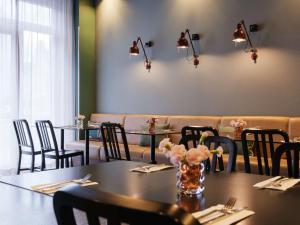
190	178
238	132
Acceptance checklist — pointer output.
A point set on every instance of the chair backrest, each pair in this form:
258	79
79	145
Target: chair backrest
109	134
23	134
284	148
47	136
116	209
193	134
190	137
264	145
216	141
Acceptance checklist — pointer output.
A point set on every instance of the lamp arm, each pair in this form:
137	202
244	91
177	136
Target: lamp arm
248	37
188	32
140	40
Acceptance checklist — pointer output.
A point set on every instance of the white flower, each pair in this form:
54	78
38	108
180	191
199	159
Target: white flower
238	123
177	154
80	117
219	151
165	146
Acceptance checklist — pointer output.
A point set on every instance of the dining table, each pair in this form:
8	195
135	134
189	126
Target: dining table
21	205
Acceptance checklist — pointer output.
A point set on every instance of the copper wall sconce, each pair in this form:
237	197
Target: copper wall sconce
134	50
241	35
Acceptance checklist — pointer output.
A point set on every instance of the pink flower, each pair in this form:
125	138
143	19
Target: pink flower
194	156
165	146
204	151
219	151
177	154
238	123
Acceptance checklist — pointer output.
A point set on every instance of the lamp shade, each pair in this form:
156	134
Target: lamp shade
134	49
182	42
239	35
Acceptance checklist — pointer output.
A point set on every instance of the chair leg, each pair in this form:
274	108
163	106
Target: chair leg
43	166
32	162
62	165
67	162
71	162
82	160
19	163
57	163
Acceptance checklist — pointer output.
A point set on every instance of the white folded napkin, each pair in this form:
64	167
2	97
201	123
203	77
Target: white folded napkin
151	168
285	183
221	218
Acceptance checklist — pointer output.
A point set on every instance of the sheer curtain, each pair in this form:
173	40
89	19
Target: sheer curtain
39	74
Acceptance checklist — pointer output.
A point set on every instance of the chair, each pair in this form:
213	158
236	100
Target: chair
109	134
216	141
117	209
49	146
25	144
284	148
192	134
263	142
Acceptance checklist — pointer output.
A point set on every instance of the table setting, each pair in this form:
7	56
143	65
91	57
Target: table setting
280	183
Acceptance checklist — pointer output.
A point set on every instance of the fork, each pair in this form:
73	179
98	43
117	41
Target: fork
225	210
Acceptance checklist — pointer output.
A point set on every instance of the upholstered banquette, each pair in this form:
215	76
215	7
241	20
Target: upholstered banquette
138	122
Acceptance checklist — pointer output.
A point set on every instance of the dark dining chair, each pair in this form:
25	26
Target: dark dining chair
190	137
193	134
264	145
50	148
213	142
109	134
116	209
287	148
25	144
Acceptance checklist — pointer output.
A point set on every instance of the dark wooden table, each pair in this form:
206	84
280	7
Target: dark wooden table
86	130
270	206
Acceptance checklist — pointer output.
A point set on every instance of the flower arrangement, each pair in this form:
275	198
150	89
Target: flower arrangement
79	120
151	123
238	126
193	156
80	117
238	123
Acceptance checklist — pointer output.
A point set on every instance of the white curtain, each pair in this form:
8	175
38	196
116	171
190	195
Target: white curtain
36	67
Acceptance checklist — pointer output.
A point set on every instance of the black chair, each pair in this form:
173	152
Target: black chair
285	148
216	141
109	134
116	209
50	148
263	142
25	144
190	137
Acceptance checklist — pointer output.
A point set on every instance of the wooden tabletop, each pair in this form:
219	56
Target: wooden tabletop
270	206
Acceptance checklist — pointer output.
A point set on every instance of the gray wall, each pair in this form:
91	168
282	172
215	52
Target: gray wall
226	82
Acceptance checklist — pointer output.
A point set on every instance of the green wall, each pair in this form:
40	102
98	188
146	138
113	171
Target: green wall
87	58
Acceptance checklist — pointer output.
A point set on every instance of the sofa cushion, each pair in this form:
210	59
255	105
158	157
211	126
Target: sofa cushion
134	122
80	145
178	122
294	127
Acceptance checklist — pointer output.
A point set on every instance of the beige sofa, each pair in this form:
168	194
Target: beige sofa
136	121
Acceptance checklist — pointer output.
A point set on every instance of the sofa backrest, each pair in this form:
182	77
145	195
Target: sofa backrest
294	127
113	118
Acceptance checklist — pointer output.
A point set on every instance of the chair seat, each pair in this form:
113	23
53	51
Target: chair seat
26	152
64	154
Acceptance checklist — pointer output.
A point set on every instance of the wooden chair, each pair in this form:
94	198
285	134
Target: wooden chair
190	137
25	144
287	148
263	142
216	141
50	148
117	209
109	134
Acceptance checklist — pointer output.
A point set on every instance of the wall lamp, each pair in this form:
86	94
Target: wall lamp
134	50
183	43
241	35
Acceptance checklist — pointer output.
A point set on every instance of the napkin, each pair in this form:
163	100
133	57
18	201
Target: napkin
221	218
285	183
51	188
151	168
